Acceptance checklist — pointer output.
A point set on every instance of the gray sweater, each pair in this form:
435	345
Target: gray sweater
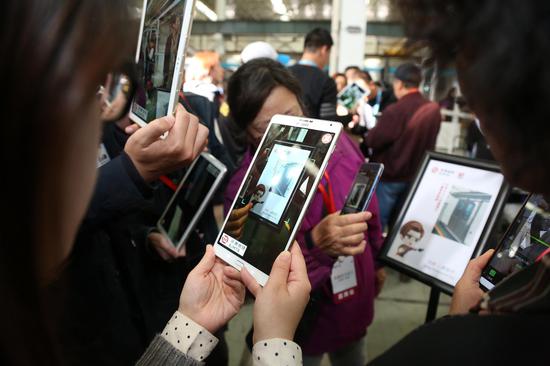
161	352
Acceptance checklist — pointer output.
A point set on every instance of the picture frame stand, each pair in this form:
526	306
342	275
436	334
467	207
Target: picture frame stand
433	304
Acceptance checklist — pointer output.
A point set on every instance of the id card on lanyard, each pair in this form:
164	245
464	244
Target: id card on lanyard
343	276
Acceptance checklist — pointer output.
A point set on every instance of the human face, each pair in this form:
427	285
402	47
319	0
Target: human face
411	238
341	82
75	181
280	101
399	89
324	56
373	90
257	195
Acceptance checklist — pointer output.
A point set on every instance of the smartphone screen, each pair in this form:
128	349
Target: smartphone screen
191	194
526	239
272	198
160	39
363	188
350	96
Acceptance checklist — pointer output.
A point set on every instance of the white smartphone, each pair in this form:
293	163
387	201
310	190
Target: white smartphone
275	193
160	55
193	194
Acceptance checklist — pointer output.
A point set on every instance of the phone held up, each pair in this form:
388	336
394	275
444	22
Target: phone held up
363	188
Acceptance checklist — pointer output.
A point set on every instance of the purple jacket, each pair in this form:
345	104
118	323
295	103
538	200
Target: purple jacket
337	324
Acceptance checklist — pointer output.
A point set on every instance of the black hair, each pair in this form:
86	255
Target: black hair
501	51
251	85
409	74
317	38
355	68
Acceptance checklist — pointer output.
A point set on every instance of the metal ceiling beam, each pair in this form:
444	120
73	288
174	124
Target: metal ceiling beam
242	27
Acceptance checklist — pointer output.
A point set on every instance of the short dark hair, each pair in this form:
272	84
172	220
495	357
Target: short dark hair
318	38
410	74
251	84
354	68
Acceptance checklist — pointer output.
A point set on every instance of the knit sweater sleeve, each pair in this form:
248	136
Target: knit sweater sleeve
161	352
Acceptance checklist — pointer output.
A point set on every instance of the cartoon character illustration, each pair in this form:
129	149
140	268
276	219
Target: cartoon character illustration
411	233
255	196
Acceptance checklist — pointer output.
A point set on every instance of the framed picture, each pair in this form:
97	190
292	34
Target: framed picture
450	210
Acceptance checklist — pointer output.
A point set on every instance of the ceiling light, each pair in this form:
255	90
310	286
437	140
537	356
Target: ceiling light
209	13
279	7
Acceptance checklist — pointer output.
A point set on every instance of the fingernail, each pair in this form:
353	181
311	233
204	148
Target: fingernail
284	256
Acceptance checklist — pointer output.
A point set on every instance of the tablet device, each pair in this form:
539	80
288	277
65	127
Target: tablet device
193	194
449	212
363	188
164	32
275	193
523	243
350	96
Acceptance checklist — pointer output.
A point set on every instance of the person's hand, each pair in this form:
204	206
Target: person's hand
213	292
164	248
129	130
339	234
467	293
380	280
237	219
154	156
280	304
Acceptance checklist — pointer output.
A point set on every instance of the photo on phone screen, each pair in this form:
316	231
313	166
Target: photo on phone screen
166	25
268	208
525	240
189	201
363	188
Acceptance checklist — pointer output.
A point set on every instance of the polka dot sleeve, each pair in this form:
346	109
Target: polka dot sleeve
275	352
189	337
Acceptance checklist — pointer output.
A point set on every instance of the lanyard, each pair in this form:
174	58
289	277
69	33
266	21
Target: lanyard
168	182
328	195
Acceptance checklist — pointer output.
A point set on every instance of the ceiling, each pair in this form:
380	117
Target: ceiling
379	10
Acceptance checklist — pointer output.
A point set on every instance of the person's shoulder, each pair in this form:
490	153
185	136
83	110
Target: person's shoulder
468	339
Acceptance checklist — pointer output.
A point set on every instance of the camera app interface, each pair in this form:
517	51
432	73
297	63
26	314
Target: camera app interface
274	193
360	193
525	241
157	57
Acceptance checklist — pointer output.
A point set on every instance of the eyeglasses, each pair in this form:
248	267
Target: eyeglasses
117	92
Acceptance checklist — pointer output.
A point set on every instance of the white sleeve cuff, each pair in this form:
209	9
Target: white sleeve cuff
189	337
276	351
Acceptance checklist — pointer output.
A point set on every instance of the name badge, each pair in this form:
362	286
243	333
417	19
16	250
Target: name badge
343	279
102	156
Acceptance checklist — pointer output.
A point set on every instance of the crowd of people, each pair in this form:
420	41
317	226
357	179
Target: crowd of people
86	278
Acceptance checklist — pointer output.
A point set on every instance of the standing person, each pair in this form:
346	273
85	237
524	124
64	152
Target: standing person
406	130
319	90
258	90
476	36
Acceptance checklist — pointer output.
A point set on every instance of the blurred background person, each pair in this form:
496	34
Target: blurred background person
404	132
319	90
258	90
